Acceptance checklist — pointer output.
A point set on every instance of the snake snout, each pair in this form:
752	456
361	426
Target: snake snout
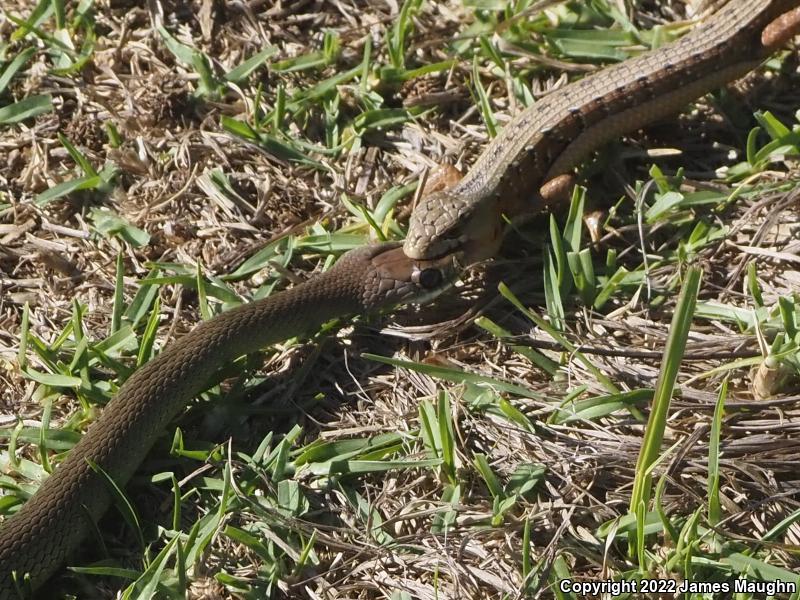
423	247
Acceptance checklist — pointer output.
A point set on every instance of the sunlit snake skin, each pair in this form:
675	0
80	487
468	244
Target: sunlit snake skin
48	528
553	135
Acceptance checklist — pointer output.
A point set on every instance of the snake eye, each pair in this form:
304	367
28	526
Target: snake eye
429	278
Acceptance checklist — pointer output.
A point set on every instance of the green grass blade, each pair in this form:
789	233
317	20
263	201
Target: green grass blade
25	109
7	74
665	385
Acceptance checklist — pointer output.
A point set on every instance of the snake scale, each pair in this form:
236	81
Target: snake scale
462	223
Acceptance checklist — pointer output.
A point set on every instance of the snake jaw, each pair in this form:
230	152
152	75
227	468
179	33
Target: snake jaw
421	244
456	221
434	227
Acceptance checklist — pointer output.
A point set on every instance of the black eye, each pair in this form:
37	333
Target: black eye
430	278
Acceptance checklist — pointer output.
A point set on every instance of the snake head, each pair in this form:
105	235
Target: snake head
394	278
445	223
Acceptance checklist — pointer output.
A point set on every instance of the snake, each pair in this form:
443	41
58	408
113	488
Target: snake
527	163
48	528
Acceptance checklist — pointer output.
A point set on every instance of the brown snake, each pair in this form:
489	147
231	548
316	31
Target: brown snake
52	523
527	162
539	145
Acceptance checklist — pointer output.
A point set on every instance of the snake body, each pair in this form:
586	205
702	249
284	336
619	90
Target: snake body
553	135
51	524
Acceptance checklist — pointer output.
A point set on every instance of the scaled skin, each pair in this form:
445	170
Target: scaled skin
523	166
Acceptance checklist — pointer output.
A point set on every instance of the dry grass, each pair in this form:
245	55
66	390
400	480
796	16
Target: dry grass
416	532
